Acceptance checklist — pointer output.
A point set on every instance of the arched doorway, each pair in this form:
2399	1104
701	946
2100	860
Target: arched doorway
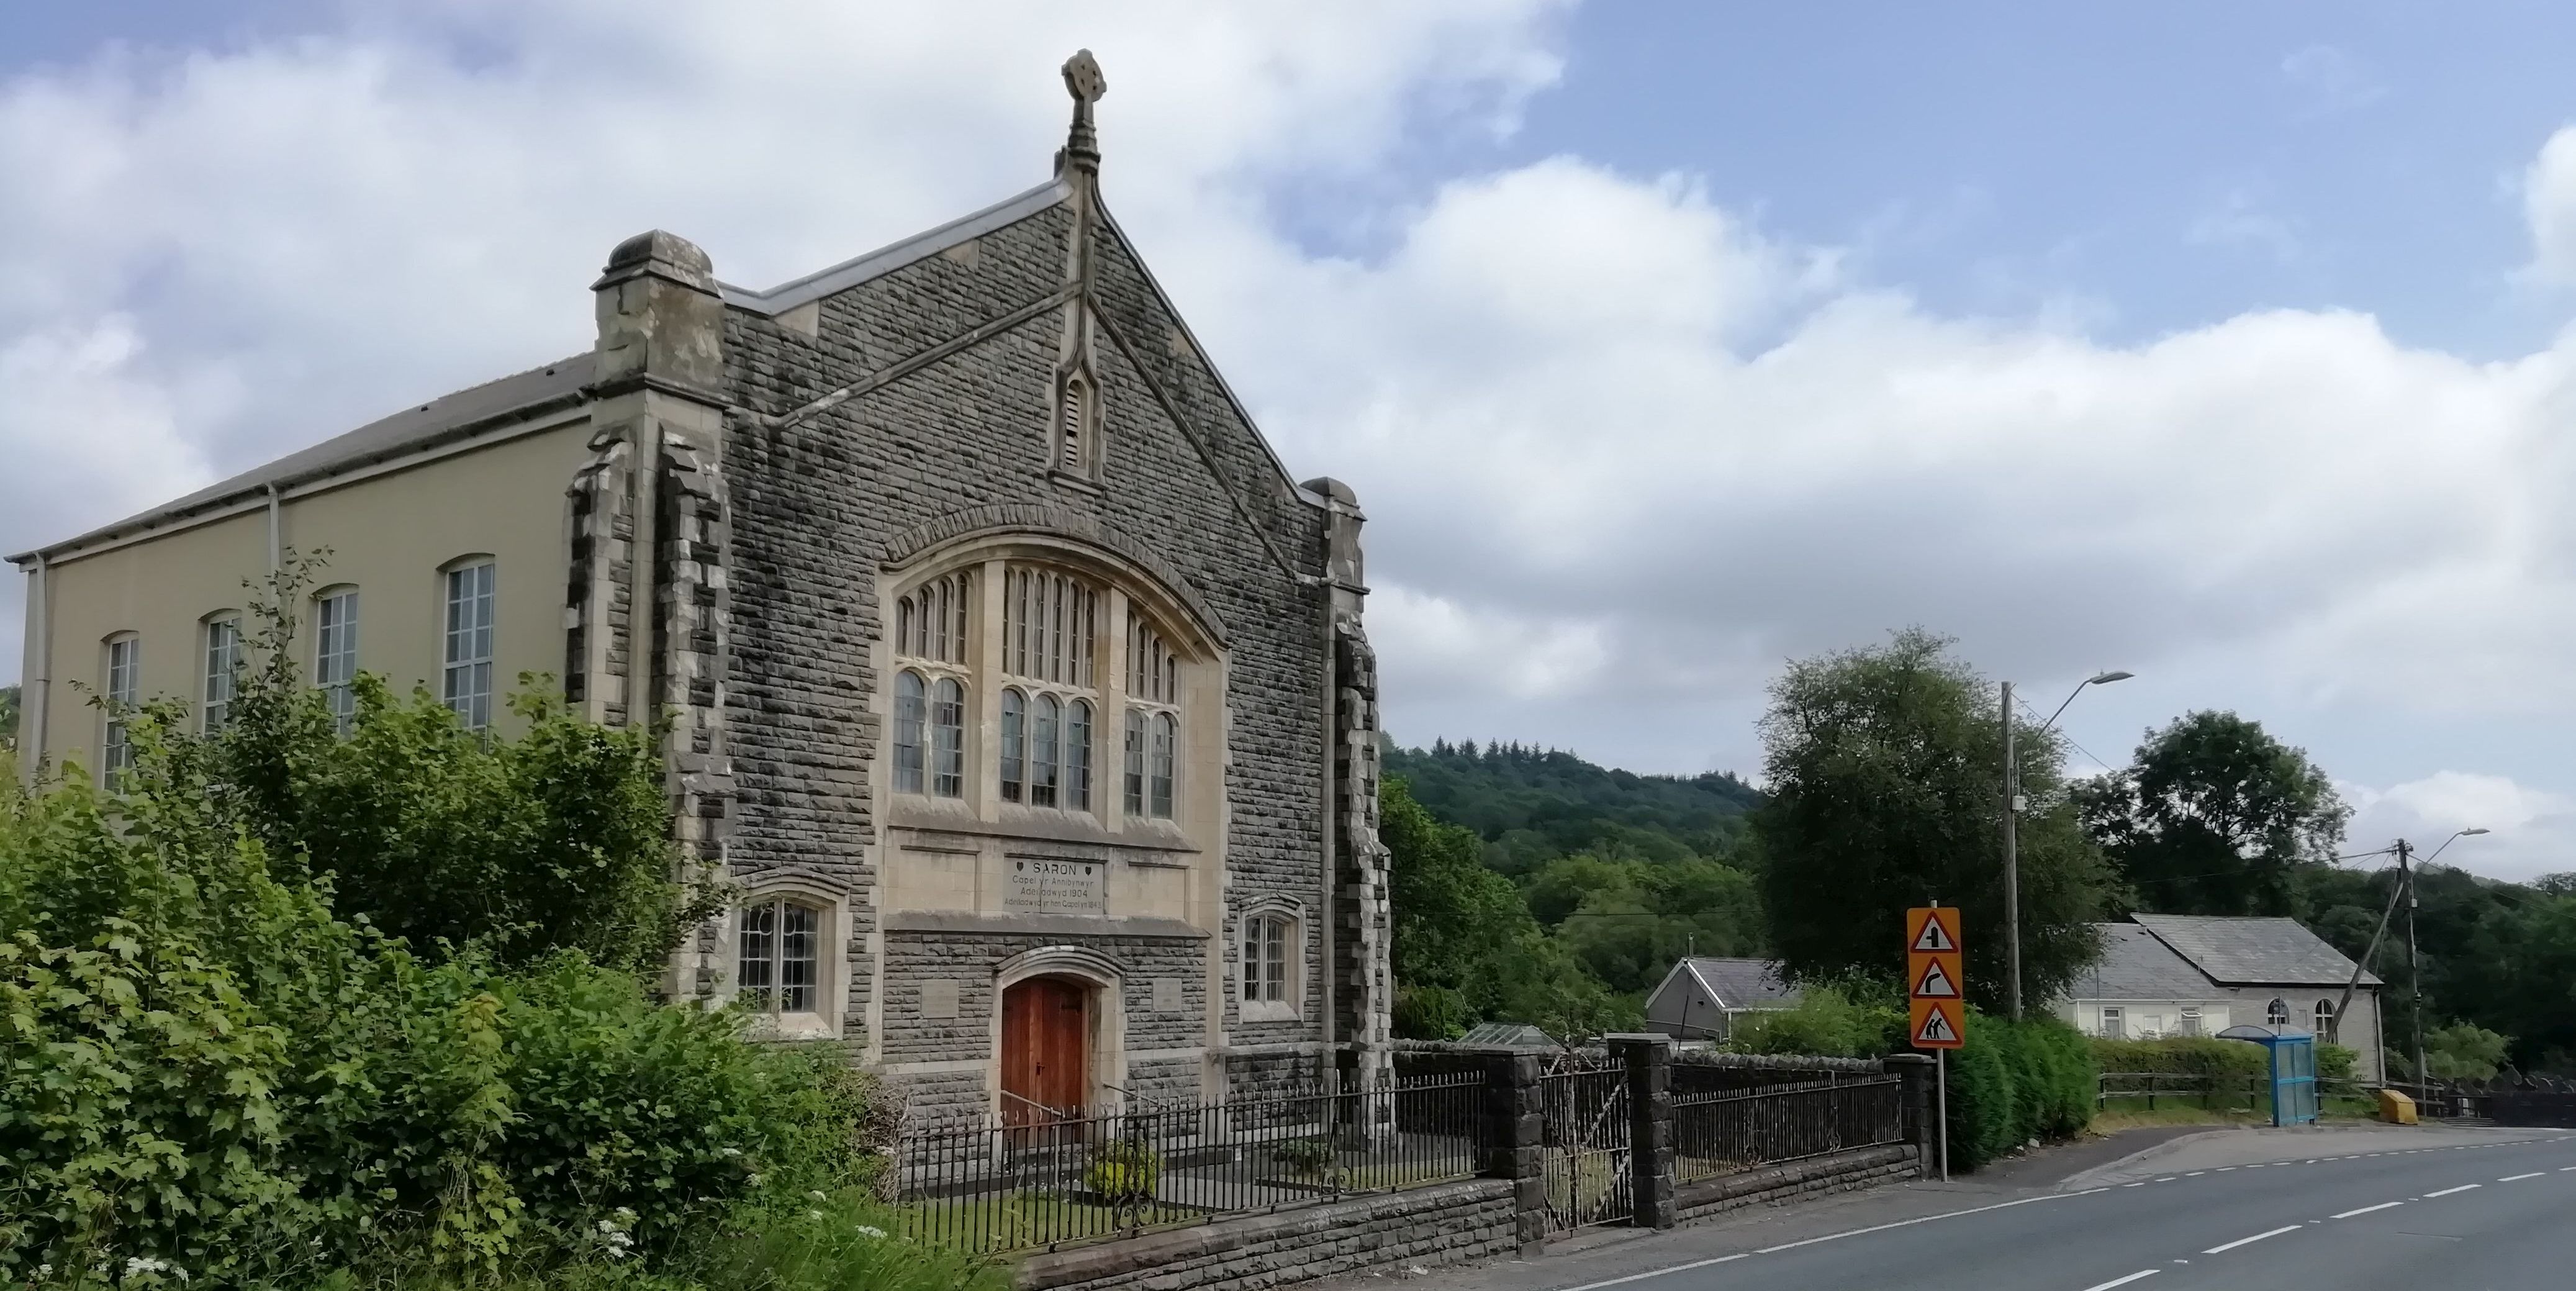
1046	1050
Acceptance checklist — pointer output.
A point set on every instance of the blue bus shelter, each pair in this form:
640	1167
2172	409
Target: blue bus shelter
2293	1063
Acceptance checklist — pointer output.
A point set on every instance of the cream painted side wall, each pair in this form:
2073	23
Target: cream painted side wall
389	534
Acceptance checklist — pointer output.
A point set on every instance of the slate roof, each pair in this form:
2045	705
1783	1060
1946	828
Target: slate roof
2136	966
1744	983
406	431
2237	951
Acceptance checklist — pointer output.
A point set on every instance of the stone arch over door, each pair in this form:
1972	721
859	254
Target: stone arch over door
1033	989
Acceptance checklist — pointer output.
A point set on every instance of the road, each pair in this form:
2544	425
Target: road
2355	1210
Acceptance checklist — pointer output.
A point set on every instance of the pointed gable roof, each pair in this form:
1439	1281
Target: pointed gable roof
2245	951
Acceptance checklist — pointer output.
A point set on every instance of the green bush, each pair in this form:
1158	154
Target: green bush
2334	1061
1124	1172
201	1067
1834	1021
2181	1056
2015	1082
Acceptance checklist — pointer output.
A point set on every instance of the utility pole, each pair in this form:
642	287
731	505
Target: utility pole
2414	968
2012	867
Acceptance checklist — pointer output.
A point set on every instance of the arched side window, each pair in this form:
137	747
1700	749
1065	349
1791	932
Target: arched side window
1272	951
2325	1018
778	955
220	637
466	679
2277	1013
911	714
335	651
1073	417
1015	716
121	684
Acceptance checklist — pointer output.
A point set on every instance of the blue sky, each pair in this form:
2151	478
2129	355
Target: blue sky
2223	343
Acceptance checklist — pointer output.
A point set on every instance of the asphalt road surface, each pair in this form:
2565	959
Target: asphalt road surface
2355	1210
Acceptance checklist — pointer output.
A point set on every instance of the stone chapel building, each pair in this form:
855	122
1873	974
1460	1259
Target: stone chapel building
1018	687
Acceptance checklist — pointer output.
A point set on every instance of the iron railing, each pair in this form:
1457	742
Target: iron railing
1584	1145
1042	1179
1725	1131
2234	1092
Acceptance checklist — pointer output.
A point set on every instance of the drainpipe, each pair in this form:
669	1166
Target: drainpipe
34	712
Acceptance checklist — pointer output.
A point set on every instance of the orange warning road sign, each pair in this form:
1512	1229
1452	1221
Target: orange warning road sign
1936	1024
1932	930
1935	978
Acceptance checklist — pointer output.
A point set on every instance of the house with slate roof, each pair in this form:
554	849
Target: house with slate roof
995	656
2197	975
1701	997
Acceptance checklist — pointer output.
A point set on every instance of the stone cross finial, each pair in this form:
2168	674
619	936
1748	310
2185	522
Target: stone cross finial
1083	80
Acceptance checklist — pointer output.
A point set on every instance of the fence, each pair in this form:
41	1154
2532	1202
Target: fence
1585	1145
984	1186
1722	1132
2250	1095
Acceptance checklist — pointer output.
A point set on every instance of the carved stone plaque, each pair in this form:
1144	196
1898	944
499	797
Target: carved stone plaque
1041	886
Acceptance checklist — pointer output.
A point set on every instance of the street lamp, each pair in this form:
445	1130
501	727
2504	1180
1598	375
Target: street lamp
2012	831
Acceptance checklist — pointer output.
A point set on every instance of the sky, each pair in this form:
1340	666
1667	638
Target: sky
2228	345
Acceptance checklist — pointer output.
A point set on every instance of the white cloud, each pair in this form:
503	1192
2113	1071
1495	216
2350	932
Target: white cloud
1623	450
2531	831
2549	208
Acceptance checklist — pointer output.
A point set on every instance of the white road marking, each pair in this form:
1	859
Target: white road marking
2512	1177
2121	1282
2366	1210
1640	1277
2248	1241
2139	1184
2195	1174
1920	1219
2171	1178
2565	1168
2448	1191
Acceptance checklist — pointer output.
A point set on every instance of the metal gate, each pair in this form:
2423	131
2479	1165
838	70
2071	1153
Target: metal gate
1584	1146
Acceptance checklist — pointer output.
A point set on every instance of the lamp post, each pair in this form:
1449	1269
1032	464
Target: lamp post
2414	966
2012	832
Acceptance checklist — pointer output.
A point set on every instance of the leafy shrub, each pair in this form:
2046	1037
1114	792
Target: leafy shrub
2334	1061
201	1066
2181	1056
1124	1172
2015	1082
1828	1021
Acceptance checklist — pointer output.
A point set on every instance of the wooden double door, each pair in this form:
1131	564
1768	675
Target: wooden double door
1046	1050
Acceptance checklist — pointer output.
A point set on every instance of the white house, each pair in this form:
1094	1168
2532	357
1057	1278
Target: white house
1699	999
2186	975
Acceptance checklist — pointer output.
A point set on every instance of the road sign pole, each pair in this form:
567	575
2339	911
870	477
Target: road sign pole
1941	1083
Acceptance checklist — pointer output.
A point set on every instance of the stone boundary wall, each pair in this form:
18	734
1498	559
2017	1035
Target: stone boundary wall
1455	1223
1839	1172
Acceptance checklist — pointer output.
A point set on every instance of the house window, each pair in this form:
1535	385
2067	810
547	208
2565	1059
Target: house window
1158	766
1267	941
2115	1024
467	689
223	665
1015	717
930	620
778	955
123	689
947	738
2325	1019
2276	1013
2189	1024
1073	425
1153	727
335	652
929	735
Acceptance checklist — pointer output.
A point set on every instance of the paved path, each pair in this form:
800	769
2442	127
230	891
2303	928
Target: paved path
2352	1209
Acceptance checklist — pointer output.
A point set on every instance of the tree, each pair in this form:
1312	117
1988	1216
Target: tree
2215	816
1457	926
8	718
1628	921
1885	770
